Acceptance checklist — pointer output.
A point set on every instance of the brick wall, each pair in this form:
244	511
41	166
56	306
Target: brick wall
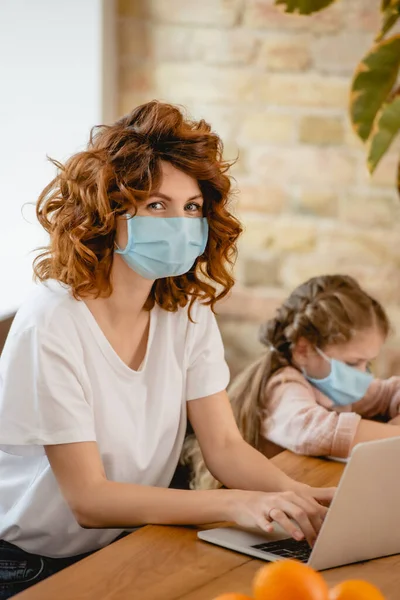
275	87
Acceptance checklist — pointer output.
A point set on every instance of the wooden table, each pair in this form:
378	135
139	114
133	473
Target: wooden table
168	563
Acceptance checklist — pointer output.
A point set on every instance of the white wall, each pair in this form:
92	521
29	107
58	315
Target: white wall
53	84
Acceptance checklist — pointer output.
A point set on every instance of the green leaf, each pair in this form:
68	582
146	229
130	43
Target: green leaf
386	128
391	14
304	7
385	4
373	80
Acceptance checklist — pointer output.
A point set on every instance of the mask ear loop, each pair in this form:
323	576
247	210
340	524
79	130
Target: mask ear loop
322	353
117	249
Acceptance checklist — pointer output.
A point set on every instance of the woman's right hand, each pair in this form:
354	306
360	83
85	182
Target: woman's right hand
261	509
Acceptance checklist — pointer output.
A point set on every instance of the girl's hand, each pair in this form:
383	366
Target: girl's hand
260	509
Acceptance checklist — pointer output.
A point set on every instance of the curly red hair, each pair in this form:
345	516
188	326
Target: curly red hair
119	168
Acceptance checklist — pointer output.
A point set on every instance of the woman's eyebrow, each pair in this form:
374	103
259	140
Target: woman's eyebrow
169	199
160	195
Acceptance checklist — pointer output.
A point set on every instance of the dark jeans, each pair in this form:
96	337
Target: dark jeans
20	570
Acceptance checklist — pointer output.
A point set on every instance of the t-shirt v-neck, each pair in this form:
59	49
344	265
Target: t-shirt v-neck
106	347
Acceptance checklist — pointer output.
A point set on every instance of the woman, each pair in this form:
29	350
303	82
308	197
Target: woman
118	344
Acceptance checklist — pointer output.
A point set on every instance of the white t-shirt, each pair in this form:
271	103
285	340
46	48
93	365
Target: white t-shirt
62	382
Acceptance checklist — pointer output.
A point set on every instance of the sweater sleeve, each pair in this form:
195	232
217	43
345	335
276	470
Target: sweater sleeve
294	420
382	399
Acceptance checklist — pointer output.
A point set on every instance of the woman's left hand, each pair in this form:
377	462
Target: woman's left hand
322	495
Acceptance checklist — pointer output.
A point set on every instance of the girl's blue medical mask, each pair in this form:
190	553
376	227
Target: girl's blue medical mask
344	385
161	247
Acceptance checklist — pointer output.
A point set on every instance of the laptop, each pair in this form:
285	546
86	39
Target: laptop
362	522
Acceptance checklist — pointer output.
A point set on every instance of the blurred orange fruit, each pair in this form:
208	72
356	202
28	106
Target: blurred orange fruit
233	596
355	590
289	580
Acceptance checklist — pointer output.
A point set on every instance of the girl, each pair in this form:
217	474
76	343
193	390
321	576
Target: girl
312	391
115	347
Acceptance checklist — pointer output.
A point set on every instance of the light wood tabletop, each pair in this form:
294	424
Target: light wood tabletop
170	563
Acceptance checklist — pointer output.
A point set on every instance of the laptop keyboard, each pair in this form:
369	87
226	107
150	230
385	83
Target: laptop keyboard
288	548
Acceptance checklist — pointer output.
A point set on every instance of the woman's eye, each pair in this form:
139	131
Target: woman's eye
155	206
193	207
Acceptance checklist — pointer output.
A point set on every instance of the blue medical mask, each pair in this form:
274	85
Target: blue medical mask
161	247
344	385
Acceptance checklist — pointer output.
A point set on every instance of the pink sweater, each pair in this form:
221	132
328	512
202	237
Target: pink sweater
300	418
